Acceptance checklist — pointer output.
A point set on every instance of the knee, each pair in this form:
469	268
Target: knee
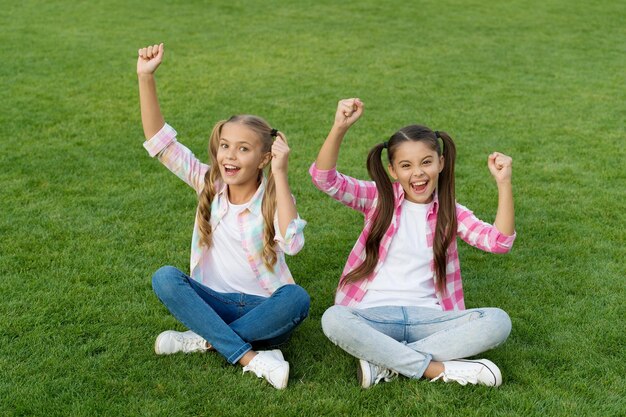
334	322
298	296
164	280
501	323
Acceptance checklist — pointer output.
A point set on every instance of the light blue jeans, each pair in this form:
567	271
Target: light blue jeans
406	339
233	323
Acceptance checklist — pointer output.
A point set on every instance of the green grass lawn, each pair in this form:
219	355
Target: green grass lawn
86	216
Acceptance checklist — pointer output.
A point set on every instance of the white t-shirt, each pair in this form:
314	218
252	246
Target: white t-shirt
226	269
405	278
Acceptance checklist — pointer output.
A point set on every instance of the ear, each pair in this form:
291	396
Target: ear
392	172
441	163
266	159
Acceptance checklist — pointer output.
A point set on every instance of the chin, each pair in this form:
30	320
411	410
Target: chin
421	198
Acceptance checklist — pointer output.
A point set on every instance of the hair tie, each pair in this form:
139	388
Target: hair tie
385	144
437	135
274	133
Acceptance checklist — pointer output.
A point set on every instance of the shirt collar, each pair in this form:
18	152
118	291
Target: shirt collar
399	192
256	201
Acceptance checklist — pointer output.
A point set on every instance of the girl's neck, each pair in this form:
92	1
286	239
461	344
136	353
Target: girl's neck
241	194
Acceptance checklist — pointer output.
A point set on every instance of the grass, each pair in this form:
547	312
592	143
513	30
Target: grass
86	216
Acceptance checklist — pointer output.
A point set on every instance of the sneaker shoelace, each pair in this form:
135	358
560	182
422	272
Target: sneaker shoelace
192	344
386	374
258	367
463	377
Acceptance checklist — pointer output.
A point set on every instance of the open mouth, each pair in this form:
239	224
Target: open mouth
231	170
419	187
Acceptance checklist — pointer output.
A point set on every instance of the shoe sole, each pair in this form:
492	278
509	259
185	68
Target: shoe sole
285	380
363	373
491	367
156	343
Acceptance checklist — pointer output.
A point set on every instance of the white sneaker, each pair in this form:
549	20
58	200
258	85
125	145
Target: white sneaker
369	374
481	372
271	366
171	341
276	353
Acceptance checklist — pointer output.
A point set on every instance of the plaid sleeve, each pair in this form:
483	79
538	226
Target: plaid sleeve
176	157
357	194
480	234
293	241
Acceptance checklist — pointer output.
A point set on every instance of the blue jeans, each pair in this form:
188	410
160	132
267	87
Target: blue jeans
232	323
406	339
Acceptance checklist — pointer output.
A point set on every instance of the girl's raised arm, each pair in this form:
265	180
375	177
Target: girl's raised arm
148	61
500	166
348	112
285	206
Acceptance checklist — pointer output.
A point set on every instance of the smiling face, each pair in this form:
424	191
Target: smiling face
240	155
416	166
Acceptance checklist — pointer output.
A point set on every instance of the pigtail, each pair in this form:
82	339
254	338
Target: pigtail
208	191
446	229
268	209
382	218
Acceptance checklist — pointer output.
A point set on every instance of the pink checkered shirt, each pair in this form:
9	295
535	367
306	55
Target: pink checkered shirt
362	196
181	161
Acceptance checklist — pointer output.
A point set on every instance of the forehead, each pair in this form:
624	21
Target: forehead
237	132
413	150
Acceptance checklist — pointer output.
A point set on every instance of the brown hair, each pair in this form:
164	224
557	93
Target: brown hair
445	230
268	207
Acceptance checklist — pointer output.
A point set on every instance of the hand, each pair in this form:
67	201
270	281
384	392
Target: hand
280	153
149	59
500	166
348	112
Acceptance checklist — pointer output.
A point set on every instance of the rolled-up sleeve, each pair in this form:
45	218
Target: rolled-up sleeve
293	241
480	234
357	194
160	140
176	157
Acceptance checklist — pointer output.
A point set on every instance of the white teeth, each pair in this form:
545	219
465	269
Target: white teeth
419	183
230	167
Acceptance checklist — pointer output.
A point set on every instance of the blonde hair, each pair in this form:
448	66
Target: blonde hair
268	207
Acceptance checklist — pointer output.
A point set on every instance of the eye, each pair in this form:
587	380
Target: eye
405	166
243	149
223	146
427	162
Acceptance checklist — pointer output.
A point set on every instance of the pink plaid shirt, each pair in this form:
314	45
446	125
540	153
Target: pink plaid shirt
181	161
363	195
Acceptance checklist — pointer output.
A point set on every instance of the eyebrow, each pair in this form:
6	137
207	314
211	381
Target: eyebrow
241	142
406	160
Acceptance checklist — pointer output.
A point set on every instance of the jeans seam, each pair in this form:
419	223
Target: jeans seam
406	324
216	297
356	313
447	319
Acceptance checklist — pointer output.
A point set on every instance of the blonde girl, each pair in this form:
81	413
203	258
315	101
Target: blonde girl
239	295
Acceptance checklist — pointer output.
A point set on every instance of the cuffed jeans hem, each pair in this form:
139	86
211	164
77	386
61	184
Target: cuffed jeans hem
417	375
235	357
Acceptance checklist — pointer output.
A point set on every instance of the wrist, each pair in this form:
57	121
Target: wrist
279	173
339	129
145	75
506	183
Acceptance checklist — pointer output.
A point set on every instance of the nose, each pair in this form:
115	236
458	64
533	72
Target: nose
417	172
230	153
